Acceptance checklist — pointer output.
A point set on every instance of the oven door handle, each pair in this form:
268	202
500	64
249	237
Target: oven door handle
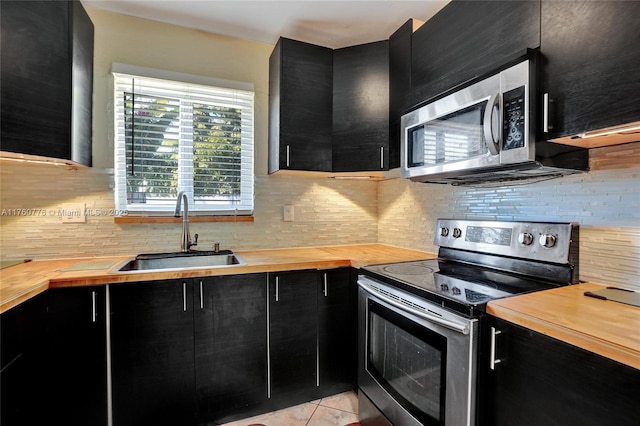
455	326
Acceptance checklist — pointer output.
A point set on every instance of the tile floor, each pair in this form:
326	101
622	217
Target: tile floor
336	410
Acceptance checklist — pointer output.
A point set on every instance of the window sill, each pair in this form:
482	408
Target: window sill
172	219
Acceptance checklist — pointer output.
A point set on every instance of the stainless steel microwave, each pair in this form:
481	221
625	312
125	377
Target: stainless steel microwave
484	132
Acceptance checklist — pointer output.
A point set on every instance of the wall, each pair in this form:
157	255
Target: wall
605	202
141	42
327	212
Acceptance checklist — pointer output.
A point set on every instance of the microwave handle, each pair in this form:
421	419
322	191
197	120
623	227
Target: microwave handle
489	135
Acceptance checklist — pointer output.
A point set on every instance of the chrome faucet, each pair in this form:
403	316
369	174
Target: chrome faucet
185	239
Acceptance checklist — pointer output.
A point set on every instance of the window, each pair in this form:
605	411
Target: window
177	132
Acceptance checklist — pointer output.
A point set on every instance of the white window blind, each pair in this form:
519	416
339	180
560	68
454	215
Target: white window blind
179	132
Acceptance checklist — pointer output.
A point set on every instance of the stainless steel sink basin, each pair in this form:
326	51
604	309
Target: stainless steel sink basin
179	261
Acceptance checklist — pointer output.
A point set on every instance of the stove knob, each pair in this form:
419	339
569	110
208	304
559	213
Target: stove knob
444	287
444	231
525	238
547	240
457	232
456	291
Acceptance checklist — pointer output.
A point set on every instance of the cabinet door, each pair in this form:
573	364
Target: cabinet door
24	364
468	39
361	107
82	86
231	346
300	97
76	332
36	82
337	332
46	79
293	341
592	61
543	381
152	350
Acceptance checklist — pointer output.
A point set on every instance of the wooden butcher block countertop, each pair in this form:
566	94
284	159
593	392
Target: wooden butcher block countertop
25	280
608	328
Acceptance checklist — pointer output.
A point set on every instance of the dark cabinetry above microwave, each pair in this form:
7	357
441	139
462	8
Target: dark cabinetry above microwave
468	39
47	79
592	60
588	52
328	109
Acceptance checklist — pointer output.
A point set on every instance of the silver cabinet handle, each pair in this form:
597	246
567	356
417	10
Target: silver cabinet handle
184	297
277	289
201	296
288	154
93	306
382	157
546	111
492	350
268	338
325	289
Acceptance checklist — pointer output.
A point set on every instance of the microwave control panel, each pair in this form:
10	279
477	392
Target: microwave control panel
513	121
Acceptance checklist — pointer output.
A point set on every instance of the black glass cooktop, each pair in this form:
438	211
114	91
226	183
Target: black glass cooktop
467	284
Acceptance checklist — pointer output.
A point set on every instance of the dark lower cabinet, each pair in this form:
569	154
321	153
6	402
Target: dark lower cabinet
592	60
543	381
152	350
293	337
230	346
24	363
337	332
77	362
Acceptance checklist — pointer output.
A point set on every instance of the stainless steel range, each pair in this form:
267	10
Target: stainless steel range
419	321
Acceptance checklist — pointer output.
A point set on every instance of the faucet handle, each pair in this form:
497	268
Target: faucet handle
195	240
216	247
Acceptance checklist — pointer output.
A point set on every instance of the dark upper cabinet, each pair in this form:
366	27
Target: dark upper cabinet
23	373
293	337
399	86
300	101
152	352
468	39
592	61
361	107
337	332
543	381
230	346
46	79
77	356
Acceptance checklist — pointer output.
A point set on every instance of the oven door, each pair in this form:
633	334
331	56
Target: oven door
417	361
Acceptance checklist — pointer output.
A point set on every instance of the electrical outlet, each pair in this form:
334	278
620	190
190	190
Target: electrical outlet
288	215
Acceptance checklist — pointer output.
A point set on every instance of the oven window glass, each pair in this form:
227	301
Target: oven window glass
408	360
454	137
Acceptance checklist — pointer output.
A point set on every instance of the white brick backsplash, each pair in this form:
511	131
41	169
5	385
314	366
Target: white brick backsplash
328	212
606	203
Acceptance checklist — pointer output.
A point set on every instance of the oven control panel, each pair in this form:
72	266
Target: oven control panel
540	241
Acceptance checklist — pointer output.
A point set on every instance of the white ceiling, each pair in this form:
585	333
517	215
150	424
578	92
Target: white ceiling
329	23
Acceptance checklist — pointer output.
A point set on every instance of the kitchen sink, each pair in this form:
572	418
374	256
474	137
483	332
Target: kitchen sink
180	260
